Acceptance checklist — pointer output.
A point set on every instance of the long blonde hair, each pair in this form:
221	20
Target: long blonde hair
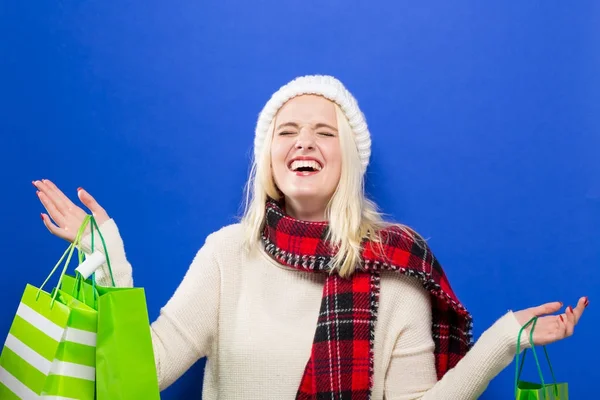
350	215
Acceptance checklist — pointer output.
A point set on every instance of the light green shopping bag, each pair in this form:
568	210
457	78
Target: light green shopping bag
124	354
525	390
50	348
125	364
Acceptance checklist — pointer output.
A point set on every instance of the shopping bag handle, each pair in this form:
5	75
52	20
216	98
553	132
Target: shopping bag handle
68	254
79	279
94	224
519	366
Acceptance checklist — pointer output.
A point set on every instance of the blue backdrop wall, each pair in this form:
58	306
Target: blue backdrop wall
484	116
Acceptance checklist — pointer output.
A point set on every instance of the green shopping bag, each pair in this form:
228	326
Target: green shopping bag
125	364
125	361
50	347
525	390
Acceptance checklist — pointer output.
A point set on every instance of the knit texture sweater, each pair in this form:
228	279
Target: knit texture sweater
254	321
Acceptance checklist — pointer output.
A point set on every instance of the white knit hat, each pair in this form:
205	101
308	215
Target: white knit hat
328	87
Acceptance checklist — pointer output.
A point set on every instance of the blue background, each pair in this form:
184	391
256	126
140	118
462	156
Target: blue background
484	119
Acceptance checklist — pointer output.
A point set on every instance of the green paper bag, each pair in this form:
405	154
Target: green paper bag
525	390
50	347
125	364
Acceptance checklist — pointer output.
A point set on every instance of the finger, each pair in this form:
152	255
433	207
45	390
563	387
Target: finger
55	230
42	187
577	311
562	326
51	196
50	207
570	322
90	202
548	308
59	193
58	197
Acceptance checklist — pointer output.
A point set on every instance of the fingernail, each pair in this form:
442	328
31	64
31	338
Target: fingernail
561	303
570	309
586	302
79	189
561	318
33	183
42	215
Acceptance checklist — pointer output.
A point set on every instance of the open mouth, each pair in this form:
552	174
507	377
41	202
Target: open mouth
305	166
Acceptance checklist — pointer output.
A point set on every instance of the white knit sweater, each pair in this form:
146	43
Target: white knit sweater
255	319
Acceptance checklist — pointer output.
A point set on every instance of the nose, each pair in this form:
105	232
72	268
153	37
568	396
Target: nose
306	140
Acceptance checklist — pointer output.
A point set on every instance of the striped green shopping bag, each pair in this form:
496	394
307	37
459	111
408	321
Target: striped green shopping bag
49	352
525	390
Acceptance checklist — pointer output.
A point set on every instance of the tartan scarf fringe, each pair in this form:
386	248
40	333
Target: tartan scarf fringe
303	246
306	262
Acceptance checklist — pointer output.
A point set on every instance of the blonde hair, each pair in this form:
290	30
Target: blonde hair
350	215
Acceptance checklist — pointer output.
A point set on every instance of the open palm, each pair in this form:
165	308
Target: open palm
64	218
552	328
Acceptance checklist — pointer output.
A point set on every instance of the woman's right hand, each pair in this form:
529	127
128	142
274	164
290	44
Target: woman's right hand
64	218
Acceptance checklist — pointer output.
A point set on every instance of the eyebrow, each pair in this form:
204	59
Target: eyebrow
295	125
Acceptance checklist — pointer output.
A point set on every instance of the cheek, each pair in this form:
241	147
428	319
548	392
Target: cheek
334	157
279	150
278	157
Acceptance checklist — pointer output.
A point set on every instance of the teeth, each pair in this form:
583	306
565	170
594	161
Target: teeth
305	164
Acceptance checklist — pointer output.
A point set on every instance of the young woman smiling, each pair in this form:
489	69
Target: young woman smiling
313	295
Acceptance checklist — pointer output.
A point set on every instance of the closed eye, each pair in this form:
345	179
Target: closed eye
285	133
329	134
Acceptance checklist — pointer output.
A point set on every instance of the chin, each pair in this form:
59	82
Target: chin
305	194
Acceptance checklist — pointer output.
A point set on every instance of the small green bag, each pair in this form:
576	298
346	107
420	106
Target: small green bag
125	364
525	390
50	348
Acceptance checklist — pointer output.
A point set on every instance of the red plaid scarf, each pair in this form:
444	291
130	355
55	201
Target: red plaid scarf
341	361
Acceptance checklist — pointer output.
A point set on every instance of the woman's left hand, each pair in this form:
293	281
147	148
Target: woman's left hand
552	328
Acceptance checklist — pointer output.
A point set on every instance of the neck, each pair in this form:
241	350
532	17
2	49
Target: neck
305	211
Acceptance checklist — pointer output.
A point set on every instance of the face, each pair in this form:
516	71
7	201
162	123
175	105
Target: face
306	154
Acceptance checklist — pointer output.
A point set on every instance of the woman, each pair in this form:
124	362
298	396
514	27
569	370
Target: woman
312	294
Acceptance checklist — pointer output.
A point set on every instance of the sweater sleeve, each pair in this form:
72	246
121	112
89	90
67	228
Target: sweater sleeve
121	268
186	328
412	375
